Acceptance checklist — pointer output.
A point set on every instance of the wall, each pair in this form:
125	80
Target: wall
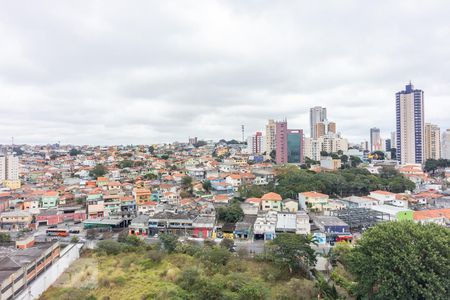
68	255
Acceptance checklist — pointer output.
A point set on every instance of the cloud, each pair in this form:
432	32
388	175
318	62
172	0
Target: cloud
110	72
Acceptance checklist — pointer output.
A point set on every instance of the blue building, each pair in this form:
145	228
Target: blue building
295	146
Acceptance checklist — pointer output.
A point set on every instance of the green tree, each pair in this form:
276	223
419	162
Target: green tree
217	256
402	260
109	247
293	252
98	171
231	213
168	241
5	237
126	163
355	161
206	185
74	152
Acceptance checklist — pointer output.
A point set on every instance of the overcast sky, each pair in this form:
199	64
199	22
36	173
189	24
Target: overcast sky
142	72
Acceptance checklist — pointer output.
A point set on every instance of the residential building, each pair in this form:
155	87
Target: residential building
255	143
316	115
375	140
9	171
312	201
432	142
281	143
445	154
271	201
270	137
410	125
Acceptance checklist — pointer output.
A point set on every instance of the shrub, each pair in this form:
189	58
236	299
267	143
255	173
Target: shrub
110	247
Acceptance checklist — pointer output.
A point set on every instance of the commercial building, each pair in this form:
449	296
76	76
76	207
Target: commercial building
410	125
20	267
432	142
295	143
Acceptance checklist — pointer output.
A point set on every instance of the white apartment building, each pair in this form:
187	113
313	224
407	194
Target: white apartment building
432	142
9	167
446	144
270	142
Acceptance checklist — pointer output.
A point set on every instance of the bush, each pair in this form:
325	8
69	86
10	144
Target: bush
168	241
5	237
227	244
110	247
217	256
189	279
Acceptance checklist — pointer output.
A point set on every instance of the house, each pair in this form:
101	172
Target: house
290	205
235	180
142	196
179	224
312	201
437	216
271	201
358	202
50	200
303	225
382	196
244	228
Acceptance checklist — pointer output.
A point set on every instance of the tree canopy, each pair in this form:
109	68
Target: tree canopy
293	252
231	213
354	181
98	171
402	260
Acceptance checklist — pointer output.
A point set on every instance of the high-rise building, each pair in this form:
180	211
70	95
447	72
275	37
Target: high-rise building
410	125
393	139
281	142
375	140
193	140
332	127
316	115
388	144
295	144
320	129
255	143
2	169
432	144
445	153
330	143
9	168
270	137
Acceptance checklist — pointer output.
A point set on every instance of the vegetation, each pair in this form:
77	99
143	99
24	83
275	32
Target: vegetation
98	171
168	241
402	260
354	181
292	252
5	237
74	152
128	271
126	163
432	165
231	213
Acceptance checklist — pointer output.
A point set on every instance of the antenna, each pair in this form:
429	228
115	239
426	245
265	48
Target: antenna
243	133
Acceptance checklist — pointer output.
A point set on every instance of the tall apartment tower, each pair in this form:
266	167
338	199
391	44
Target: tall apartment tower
432	142
410	125
270	136
393	139
255	143
375	140
316	115
281	135
9	167
445	153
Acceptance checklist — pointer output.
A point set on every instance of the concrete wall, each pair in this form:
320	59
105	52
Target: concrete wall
68	255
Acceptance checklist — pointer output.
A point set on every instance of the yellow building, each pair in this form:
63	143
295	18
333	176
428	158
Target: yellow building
12	184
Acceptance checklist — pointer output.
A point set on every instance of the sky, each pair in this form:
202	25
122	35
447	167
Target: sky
144	72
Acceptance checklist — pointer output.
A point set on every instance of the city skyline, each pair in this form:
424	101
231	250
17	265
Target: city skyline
165	72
